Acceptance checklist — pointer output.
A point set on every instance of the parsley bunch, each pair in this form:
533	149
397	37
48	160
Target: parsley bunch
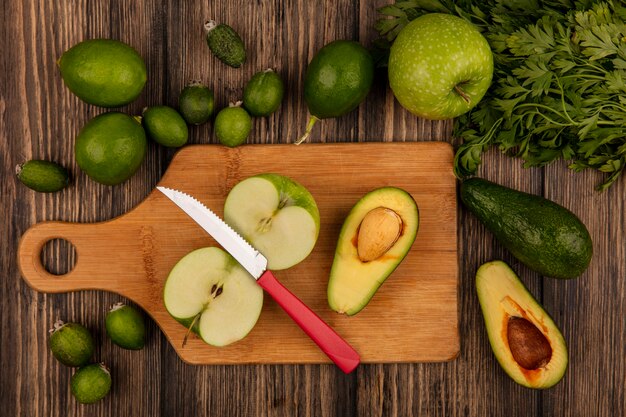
559	88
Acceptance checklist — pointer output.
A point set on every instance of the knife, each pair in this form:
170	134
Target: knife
337	349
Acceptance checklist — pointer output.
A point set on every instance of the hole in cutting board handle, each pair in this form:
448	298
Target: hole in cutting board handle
58	256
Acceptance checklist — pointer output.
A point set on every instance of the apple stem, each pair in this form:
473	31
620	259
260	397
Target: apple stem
307	132
463	94
193	323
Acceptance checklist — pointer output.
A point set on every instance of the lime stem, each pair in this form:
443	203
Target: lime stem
307	132
463	94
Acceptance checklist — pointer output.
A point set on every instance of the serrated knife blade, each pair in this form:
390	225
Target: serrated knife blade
336	348
251	259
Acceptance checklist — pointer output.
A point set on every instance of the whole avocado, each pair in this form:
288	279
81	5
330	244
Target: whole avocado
337	80
545	236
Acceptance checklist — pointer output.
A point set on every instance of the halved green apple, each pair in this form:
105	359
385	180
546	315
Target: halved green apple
277	215
210	293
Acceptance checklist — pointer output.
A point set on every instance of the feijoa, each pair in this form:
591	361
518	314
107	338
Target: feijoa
103	72
111	147
225	43
233	125
91	383
196	103
71	343
165	126
337	79
125	326
42	176
263	93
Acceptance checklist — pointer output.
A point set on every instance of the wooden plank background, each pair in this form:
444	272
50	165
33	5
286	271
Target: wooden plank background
39	118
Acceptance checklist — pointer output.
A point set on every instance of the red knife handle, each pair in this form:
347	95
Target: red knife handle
337	349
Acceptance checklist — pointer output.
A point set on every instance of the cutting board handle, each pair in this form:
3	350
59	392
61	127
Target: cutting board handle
82	276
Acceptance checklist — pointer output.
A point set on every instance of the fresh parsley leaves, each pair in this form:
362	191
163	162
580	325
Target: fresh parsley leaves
559	88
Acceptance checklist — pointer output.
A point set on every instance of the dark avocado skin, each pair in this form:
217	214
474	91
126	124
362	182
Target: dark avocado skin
338	79
546	237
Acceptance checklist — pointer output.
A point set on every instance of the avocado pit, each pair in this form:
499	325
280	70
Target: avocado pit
378	232
529	347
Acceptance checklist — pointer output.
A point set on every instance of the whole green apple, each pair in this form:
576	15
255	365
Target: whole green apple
440	66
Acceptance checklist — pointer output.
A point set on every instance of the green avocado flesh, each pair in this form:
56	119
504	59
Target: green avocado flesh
525	340
353	281
546	237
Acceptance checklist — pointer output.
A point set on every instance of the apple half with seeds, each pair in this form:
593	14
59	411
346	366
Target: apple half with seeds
212	295
277	215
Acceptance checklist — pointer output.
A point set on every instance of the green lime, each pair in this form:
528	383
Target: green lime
42	176
196	103
111	147
233	125
263	93
104	72
125	327
165	126
337	79
91	383
71	343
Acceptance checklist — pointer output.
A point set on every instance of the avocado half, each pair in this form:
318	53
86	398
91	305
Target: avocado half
525	340
374	239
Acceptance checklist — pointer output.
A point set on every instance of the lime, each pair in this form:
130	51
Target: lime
71	343
233	125
263	93
196	103
42	176
111	147
125	327
104	72
91	383
337	79
165	125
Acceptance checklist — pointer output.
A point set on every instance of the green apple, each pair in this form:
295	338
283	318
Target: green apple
210	293
440	66
277	215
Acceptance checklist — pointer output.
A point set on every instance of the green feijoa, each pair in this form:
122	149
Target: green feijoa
71	343
337	79
125	326
225	43
111	147
103	72
233	125
42	176
91	383
263	93
165	126
196	103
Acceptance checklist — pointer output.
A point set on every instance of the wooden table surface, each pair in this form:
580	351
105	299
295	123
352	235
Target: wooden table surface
39	118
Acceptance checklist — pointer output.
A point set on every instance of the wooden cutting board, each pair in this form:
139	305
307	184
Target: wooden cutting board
412	317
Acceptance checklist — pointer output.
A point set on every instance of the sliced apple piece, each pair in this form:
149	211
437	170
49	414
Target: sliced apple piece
209	292
277	215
